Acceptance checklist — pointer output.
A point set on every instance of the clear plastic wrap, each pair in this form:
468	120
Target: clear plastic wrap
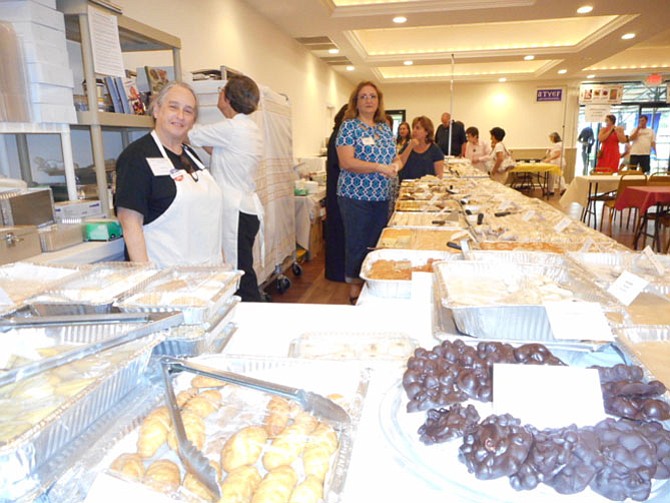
386	346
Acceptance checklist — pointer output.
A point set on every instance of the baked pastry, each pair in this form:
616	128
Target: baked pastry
185	396
194	426
200	406
318	451
278	415
206	382
276	486
130	465
243	448
324	436
163	476
213	396
309	490
289	444
240	484
153	432
192	484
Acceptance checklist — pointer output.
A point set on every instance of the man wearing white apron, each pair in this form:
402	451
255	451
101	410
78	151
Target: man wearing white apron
236	148
168	205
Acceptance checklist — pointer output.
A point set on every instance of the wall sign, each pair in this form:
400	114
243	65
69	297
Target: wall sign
600	94
549	95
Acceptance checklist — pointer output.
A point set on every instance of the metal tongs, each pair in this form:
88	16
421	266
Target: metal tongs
318	405
194	460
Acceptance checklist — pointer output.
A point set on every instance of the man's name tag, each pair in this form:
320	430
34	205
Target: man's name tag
368	141
160	166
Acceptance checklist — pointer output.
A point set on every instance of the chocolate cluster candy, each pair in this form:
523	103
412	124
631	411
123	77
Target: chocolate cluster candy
496	448
443	425
453	372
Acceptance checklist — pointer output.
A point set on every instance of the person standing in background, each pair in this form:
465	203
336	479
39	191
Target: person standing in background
554	155
457	136
587	139
609	137
236	148
422	157
502	159
476	148
404	137
643	141
368	161
334	227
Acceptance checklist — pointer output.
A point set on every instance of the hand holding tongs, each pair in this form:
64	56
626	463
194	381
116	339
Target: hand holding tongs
194	460
318	405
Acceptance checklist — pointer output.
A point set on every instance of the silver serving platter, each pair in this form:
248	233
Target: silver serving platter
198	292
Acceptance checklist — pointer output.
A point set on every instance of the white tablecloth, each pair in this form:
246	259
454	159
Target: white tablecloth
578	190
307	209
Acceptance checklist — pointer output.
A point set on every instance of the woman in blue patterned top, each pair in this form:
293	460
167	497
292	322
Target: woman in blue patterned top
368	160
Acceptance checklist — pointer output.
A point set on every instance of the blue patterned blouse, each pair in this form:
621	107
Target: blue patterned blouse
372	144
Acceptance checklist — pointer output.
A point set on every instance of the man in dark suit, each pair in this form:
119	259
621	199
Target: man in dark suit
457	136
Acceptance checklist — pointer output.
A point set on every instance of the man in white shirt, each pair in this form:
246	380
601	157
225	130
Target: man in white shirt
642	140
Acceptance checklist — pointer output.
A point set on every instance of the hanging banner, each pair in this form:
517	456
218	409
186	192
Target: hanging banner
549	95
596	113
600	93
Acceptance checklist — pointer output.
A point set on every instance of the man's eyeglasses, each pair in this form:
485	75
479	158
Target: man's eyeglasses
188	166
367	96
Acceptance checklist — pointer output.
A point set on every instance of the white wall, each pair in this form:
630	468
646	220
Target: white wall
228	32
510	105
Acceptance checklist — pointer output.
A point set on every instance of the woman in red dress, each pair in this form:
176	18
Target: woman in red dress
609	137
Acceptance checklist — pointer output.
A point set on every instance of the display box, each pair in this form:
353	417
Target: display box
50	94
46	73
71	211
35	51
18	243
21	11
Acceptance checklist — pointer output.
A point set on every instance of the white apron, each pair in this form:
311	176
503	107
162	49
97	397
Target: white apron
232	203
196	209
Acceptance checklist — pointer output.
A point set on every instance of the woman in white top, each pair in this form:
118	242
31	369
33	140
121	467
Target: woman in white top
554	155
476	148
236	149
502	159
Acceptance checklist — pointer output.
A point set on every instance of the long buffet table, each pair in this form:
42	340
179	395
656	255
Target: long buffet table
386	462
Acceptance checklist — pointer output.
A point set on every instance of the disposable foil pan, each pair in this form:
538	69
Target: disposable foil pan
452	219
397	288
418	238
384	346
607	267
194	340
655	362
23	458
198	292
496	320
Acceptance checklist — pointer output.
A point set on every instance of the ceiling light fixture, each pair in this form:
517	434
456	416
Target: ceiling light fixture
585	9
334	51
502	79
530	57
408	62
591	76
628	36
562	71
350	68
399	19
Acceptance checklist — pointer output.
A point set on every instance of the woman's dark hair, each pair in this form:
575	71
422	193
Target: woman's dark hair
611	117
555	137
498	133
243	94
426	124
400	139
352	109
472	131
339	117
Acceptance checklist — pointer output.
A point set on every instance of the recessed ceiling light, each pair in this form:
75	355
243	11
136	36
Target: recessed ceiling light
585	9
562	71
400	19
502	79
530	57
627	36
350	68
408	62
592	76
333	51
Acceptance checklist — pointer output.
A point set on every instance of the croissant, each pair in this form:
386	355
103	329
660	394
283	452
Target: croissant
213	395
243	448
276	486
285	448
130	465
153	432
207	382
309	490
278	416
240	485
324	436
200	406
306	422
185	396
194	426
316	461
163	476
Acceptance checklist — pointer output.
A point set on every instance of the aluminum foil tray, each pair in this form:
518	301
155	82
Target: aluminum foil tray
94	290
22	280
422	239
495	317
198	292
24	453
244	407
648	347
385	346
607	267
194	340
449	219
399	288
